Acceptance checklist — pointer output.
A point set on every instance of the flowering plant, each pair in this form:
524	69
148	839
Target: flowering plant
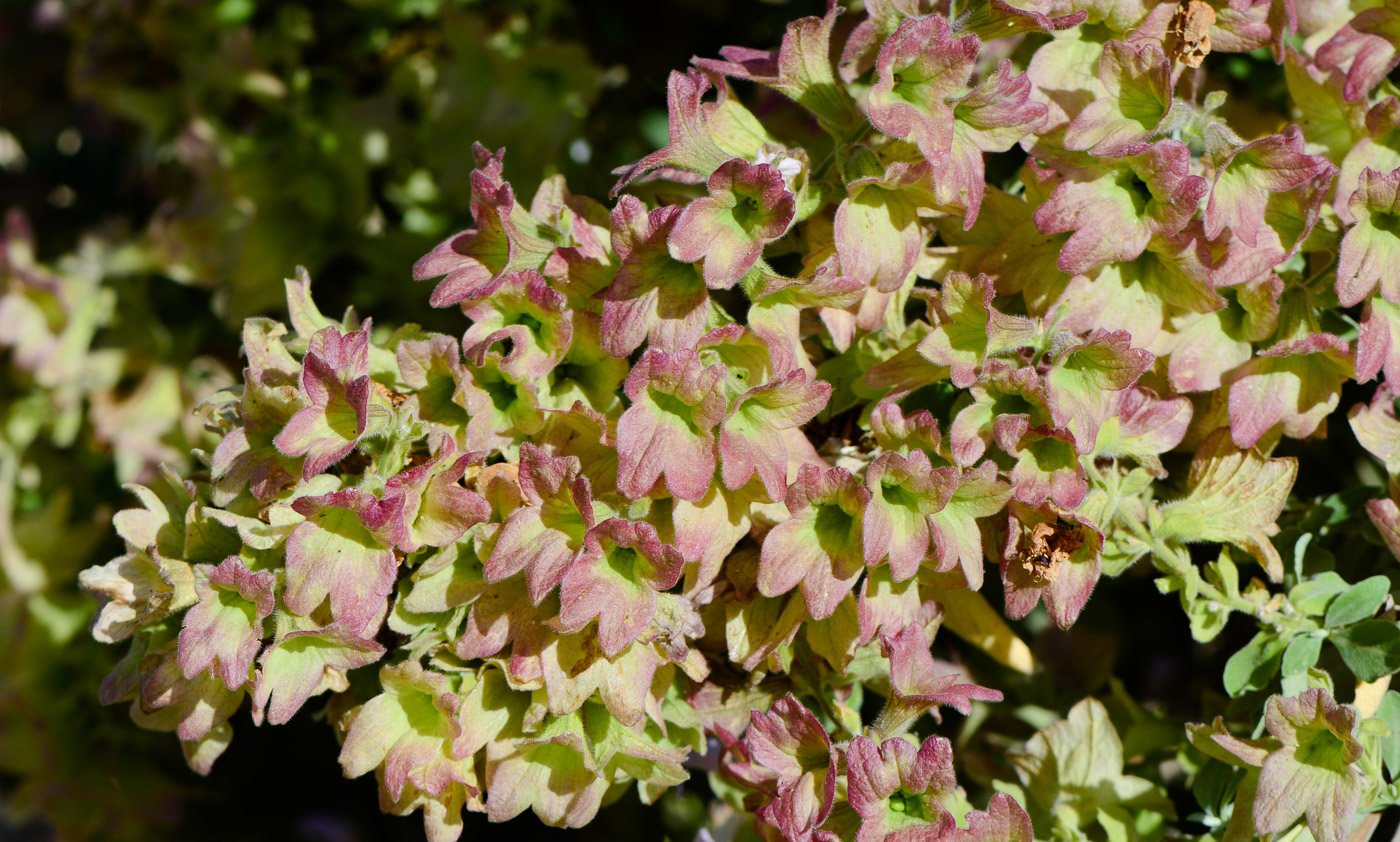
709	472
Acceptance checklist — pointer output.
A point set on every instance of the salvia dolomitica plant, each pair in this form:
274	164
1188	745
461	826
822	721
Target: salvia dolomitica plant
708	468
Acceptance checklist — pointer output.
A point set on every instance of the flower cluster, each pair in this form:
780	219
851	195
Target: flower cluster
716	462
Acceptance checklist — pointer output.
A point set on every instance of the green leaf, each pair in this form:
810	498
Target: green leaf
1371	649
1254	666
1115	824
1074	767
1389	712
1301	654
1358	602
1211	785
1374	727
1314	595
837	637
1236	495
1207	619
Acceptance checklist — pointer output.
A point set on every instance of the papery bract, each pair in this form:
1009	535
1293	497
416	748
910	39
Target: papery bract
957	538
1114	209
505	238
904	492
615	580
918	685
654	297
192	708
676	404
1048	468
1378	345
1006	403
800	69
791	745
1084	374
411	729
1138	83
1377	429
1371	246
1050	556
332	554
224	630
899	790
1140	425
526	313
992	117
297	663
703	134
750	437
748	205
425	505
433	369
544	536
1295	383
551	772
575	669
920	67
335	382
819	549
501	405
1270	164
1003	821
970	330
1313	774
1367	44
877	231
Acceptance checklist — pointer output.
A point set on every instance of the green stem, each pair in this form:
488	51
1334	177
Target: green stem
894	719
1173	560
24	574
812	677
853	136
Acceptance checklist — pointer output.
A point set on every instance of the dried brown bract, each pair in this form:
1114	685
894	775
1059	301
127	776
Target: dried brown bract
1187	39
394	398
1051	544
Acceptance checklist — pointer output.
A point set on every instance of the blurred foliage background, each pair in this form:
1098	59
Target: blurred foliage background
164	165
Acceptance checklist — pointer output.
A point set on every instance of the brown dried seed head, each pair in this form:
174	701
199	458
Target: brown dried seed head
1051	544
1039	568
1187	39
394	398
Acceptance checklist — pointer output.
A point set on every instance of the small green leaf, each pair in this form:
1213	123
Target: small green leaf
1358	602
1211	785
1389	712
1115	824
1314	595
847	717
1321	679
1254	666
1227	573
1375	727
1301	654
1371	649
1207	619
